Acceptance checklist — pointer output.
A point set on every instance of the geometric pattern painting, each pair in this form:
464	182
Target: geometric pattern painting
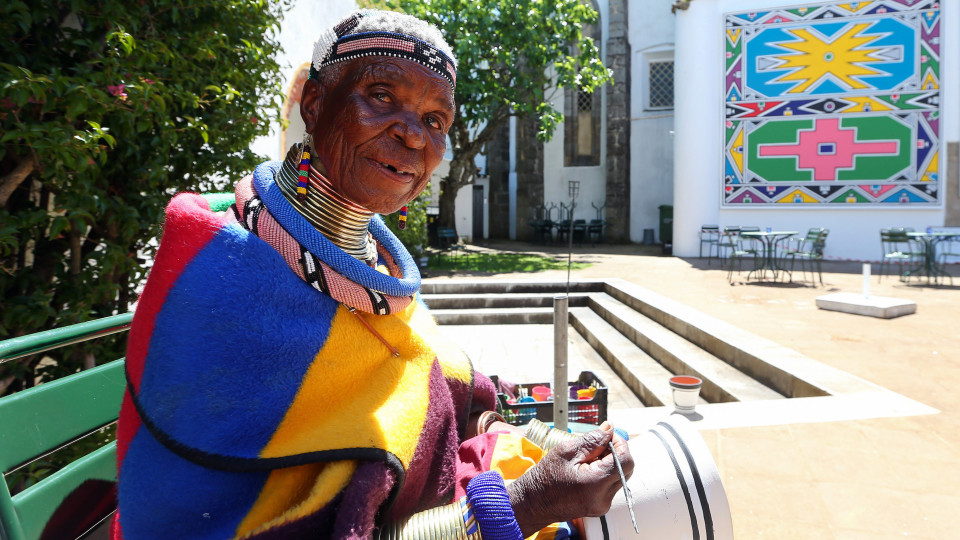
833	104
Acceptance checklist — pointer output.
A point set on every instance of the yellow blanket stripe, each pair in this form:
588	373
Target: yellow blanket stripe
513	455
296	492
354	395
455	364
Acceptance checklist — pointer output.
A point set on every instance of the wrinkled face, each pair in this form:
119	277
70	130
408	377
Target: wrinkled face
379	129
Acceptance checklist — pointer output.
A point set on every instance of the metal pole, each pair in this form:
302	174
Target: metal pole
570	247
560	390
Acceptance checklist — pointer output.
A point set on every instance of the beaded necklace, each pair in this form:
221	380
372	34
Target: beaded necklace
342	221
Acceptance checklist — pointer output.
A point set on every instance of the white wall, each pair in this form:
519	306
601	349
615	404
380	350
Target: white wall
556	177
698	144
651	140
464	210
299	30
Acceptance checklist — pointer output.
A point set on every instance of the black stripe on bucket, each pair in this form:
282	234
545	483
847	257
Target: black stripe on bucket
683	485
707	518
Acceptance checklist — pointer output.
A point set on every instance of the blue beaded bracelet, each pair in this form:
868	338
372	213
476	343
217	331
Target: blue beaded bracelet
491	507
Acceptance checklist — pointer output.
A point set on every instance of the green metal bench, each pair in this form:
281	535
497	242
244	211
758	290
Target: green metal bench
38	421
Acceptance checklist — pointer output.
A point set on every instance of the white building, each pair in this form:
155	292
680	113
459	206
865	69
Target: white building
299	31
843	116
669	131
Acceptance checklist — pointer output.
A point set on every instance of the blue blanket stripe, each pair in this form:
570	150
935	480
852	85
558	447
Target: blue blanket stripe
206	382
191	501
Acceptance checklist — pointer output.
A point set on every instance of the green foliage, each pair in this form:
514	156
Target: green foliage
414	236
500	262
106	110
512	54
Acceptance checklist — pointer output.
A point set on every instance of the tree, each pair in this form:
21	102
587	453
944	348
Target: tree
106	110
511	55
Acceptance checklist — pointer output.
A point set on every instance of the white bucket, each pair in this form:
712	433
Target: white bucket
676	487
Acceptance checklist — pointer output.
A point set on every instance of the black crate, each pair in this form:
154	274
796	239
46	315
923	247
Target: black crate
585	411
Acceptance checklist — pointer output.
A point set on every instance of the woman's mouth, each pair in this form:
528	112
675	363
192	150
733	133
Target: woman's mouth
398	173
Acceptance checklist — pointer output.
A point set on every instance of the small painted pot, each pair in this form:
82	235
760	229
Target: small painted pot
686	393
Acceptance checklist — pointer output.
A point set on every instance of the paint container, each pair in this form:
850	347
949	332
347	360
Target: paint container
586	393
686	393
676	489
574	388
541	393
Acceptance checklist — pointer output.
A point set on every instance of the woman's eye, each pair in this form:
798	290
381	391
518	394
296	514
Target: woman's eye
382	96
433	122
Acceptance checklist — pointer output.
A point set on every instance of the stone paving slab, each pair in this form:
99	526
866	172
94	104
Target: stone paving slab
871	478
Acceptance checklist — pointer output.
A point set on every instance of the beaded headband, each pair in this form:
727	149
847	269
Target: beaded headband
335	45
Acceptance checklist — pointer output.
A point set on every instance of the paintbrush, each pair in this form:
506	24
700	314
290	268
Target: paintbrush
626	490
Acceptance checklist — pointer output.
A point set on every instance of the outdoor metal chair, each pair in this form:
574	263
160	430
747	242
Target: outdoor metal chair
710	235
899	248
579	231
743	248
563	231
595	230
948	250
809	248
727	241
543	224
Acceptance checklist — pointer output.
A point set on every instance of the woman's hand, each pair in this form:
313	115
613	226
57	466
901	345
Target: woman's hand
576	479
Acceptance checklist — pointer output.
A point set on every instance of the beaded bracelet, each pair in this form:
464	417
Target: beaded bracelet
491	507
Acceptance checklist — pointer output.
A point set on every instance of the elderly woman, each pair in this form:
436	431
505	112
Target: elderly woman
285	381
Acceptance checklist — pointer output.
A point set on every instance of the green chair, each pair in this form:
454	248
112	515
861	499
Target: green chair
900	249
809	249
948	250
710	236
80	497
728	241
579	231
742	248
595	230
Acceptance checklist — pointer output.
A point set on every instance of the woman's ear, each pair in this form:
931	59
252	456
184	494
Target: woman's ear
310	100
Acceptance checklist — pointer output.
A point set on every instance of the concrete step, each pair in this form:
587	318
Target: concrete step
499	300
517	315
495	287
642	374
786	371
721	381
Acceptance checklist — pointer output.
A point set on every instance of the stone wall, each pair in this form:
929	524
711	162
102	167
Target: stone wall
951	186
529	174
618	125
498	168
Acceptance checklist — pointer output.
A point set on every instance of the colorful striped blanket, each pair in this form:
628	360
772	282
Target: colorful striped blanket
259	406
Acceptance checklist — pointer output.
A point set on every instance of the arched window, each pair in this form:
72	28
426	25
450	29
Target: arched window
582	117
291	110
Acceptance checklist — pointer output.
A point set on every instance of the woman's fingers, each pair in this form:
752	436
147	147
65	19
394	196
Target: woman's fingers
577	478
593	445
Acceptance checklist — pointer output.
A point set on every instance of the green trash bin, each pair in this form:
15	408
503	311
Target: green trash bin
666	228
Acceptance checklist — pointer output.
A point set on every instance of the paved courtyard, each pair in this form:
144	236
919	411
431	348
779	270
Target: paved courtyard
889	477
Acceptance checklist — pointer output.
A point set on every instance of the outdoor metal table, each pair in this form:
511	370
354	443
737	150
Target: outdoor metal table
930	267
770	239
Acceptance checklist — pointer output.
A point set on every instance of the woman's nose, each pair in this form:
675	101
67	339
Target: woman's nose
407	129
